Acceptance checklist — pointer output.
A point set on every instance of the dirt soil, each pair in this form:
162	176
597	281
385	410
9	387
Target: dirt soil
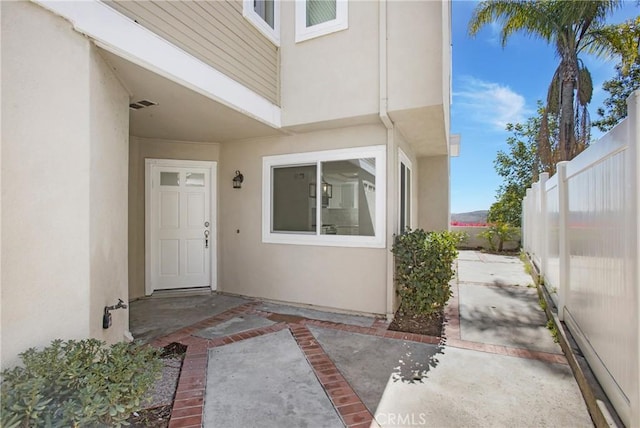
157	417
417	323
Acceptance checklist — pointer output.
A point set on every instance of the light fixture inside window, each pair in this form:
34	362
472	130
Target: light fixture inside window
327	190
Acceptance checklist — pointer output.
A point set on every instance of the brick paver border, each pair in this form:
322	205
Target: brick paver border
347	403
188	406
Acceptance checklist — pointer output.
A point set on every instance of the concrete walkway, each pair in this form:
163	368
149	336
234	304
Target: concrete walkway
251	363
499	364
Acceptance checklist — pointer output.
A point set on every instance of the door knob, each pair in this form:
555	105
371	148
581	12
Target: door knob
206	239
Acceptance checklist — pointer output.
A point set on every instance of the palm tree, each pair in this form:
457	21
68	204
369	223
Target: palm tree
621	40
572	27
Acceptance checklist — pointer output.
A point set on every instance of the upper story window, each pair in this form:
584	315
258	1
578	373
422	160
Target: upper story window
334	198
316	18
265	16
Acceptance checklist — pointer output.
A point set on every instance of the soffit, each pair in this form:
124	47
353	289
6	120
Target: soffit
423	128
181	114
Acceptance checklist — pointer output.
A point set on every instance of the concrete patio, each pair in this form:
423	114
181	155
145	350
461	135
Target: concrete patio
254	363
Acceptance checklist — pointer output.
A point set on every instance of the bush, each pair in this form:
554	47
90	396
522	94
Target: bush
77	383
424	267
498	233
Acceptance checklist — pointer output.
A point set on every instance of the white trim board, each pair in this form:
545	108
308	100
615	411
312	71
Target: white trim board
317	239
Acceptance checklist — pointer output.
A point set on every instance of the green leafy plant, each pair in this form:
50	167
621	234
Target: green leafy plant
497	234
551	326
543	304
424	267
77	383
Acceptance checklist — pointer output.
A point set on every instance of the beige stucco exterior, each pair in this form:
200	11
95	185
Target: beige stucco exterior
73	169
65	137
331	78
334	277
433	193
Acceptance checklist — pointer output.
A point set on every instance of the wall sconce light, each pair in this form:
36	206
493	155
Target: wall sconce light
237	180
327	190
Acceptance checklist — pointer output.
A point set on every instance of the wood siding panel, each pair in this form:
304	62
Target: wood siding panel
216	33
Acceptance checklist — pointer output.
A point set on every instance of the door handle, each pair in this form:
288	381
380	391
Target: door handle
206	239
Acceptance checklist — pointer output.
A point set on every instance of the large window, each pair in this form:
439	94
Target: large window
316	18
334	197
265	16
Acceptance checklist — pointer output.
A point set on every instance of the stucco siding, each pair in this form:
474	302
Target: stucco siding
109	154
433	193
332	77
333	277
216	33
63	257
415	35
139	150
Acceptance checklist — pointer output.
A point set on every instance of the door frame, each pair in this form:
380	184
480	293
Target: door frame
212	166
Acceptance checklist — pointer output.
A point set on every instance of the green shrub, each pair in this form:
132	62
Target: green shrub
497	234
77	383
424	267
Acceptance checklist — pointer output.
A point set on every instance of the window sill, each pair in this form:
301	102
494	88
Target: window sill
349	241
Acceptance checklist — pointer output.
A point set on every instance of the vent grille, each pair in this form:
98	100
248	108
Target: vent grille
142	104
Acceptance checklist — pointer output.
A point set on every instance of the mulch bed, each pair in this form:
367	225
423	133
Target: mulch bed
173	349
157	417
417	323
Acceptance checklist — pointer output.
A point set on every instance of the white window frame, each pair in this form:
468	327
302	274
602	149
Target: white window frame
376	241
408	220
305	33
261	25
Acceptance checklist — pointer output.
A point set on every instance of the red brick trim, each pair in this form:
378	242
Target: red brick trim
188	404
349	406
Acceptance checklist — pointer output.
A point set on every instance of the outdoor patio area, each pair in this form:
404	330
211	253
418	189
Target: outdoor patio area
250	362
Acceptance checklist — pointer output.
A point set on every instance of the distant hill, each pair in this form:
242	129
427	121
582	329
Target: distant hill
472	217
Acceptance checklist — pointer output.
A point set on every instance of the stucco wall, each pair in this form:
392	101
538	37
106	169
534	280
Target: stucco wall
139	149
476	241
109	136
337	73
334	277
415	69
52	250
433	193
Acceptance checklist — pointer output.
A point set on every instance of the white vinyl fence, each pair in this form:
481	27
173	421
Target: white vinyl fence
580	227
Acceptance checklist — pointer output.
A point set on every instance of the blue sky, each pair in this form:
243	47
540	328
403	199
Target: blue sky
493	86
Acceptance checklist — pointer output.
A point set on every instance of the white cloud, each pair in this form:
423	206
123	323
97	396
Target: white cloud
488	103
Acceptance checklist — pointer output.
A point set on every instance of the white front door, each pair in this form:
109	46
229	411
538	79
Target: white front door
180	241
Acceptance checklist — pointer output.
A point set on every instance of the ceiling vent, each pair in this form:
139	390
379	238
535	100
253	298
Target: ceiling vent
142	104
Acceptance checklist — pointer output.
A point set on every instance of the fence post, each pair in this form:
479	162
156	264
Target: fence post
525	222
535	223
633	116
543	224
563	232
